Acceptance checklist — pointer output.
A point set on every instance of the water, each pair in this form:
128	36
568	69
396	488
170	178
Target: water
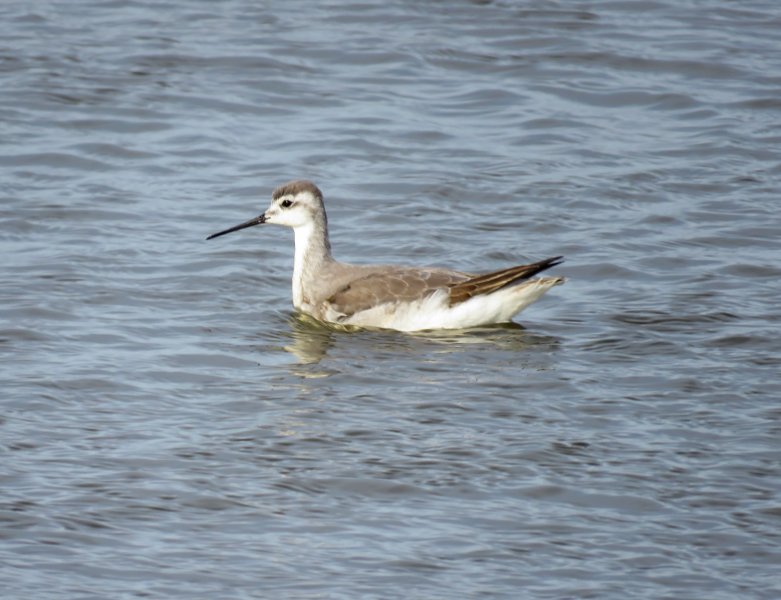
171	429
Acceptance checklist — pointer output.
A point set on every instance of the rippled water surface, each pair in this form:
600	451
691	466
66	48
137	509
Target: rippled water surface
171	429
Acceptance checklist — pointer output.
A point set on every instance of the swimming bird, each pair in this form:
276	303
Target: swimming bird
391	296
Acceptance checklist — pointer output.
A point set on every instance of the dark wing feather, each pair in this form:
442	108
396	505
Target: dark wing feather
490	282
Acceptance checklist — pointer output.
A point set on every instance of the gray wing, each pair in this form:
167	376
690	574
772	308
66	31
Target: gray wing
390	286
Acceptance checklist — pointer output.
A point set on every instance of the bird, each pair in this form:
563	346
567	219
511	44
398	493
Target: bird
401	298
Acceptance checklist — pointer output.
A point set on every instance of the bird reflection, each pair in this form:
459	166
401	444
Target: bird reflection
312	340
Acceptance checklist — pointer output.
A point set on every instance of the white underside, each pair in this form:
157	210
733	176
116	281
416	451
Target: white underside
433	312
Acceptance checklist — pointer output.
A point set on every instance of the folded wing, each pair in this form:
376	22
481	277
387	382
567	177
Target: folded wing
392	285
491	282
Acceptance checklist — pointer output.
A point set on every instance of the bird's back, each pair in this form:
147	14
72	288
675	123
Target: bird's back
368	293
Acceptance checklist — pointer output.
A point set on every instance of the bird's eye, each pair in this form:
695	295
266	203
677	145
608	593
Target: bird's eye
286	203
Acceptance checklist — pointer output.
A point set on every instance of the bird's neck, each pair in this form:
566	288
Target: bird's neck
313	252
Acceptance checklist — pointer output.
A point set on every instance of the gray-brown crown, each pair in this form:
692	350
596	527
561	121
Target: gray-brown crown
296	187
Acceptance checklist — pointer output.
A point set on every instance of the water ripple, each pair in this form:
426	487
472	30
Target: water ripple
170	427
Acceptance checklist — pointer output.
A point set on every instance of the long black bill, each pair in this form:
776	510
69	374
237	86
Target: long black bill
256	221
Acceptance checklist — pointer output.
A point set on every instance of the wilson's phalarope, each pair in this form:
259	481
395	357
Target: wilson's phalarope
391	296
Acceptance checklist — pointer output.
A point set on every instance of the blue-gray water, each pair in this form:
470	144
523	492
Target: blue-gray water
170	429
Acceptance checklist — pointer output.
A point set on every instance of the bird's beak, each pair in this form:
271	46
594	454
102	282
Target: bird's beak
252	222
